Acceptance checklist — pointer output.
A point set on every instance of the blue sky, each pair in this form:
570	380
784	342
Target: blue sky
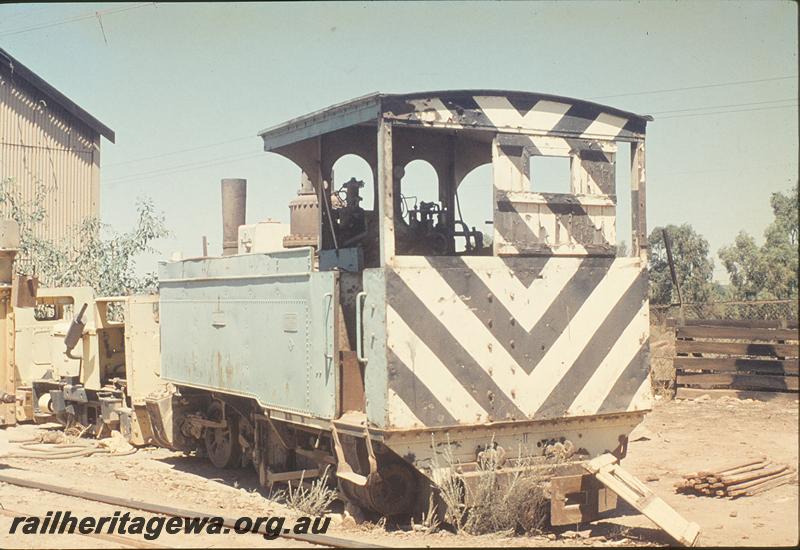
187	87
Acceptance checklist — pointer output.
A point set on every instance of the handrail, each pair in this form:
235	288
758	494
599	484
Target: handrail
360	327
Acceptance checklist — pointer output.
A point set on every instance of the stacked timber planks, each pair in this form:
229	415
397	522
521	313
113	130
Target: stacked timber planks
715	354
744	479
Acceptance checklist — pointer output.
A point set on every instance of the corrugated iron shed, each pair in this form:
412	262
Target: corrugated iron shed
16	70
49	148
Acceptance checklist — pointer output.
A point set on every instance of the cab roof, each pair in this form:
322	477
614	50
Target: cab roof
492	110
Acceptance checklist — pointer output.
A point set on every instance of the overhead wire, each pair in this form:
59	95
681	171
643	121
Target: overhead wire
730	111
723	106
184	167
231	158
179	151
76	18
699	87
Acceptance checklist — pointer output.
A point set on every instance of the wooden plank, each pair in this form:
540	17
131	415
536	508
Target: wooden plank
770	485
736	364
727	468
753	482
755	474
749	323
275	477
737	348
738	333
740	381
692	393
630	489
746	467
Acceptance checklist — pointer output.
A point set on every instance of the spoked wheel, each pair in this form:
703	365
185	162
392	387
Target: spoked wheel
222	444
392	489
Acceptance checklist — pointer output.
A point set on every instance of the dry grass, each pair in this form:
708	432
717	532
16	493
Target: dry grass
313	500
511	503
506	503
430	519
662	352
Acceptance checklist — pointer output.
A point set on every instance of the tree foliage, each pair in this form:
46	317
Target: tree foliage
768	271
93	254
693	266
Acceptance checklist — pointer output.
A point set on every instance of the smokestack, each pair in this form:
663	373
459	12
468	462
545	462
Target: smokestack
234	205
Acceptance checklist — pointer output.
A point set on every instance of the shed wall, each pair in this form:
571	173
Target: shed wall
42	147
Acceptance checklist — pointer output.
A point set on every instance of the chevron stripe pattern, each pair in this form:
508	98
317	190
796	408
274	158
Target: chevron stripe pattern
526	113
480	339
580	222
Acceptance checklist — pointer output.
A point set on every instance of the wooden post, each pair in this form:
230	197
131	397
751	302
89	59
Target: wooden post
638	202
386	191
448	189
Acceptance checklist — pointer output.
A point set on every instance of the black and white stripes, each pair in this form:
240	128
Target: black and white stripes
515	112
481	339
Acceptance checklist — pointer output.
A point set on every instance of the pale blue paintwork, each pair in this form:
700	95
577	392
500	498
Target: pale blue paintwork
376	378
256	325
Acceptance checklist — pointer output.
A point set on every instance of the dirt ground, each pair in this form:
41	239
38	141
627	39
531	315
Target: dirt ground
677	437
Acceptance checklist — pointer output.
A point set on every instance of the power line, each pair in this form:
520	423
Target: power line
223	158
176	152
699	87
760	166
183	168
724	106
731	111
76	18
232	158
28	13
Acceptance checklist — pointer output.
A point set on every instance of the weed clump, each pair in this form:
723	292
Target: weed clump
514	501
313	500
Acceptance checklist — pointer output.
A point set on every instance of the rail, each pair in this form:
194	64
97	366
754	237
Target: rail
135	504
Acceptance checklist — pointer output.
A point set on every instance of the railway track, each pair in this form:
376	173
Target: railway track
155	508
119	539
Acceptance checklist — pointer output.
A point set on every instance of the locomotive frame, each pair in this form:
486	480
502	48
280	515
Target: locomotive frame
384	342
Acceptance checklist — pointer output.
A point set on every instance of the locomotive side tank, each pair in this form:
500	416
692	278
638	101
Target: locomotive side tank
403	331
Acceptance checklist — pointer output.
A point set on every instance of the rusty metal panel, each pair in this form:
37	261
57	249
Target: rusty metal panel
41	145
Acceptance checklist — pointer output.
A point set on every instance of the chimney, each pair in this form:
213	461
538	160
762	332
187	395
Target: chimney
234	205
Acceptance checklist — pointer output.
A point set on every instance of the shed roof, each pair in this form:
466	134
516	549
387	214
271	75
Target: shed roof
18	70
506	110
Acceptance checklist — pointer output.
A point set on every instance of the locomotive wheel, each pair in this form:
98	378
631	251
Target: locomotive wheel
392	489
222	444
